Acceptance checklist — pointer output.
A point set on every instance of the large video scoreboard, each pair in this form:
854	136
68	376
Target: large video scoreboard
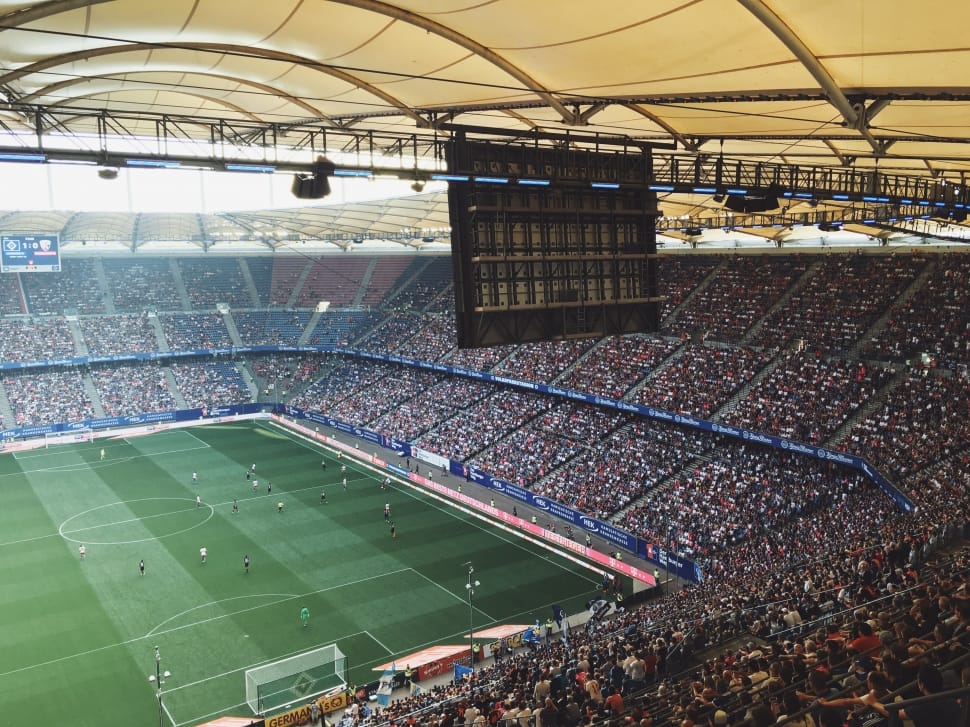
30	254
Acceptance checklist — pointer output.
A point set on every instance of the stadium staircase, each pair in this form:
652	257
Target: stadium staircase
689	298
230	323
80	347
104	287
250	283
298	285
92	392
365	282
669	361
743	392
310	328
871	406
174	388
159	332
405	284
876	328
183	294
249	378
795	287
6	411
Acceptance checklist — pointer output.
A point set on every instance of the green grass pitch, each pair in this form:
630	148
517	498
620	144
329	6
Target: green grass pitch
77	637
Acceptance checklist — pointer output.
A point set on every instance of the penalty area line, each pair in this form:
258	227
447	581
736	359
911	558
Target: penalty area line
377	641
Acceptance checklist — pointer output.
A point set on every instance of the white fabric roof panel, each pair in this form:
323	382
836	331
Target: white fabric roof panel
768	79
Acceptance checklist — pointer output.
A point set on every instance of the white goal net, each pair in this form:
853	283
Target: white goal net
295	679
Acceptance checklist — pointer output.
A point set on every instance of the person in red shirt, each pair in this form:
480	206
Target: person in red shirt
615	701
866	643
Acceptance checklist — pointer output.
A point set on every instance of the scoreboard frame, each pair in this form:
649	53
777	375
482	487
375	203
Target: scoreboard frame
30	253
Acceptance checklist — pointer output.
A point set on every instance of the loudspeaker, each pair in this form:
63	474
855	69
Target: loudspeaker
315	185
749	204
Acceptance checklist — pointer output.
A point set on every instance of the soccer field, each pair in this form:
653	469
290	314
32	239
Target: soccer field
77	636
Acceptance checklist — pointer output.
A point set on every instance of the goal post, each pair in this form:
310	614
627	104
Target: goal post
296	678
75	436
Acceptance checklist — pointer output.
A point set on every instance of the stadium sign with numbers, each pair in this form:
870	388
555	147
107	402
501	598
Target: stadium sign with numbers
30	254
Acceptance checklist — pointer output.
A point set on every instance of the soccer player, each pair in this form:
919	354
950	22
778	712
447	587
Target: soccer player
235	506
255	486
245	564
203	552
269	487
323	464
305	615
393	532
323	497
82	551
198	501
387	512
253	469
279	506
102	454
345	484
343	469
141	566
195	477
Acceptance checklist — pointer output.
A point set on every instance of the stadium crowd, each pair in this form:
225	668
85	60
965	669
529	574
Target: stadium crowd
741	292
616	365
192	331
113	335
606	478
841	300
776	535
935	320
558	434
132	389
207	384
807	397
47	397
542	361
23	340
701	379
890	612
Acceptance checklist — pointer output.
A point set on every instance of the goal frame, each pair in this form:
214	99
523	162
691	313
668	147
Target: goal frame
296	668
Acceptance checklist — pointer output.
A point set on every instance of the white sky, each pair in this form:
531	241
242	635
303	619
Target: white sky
78	188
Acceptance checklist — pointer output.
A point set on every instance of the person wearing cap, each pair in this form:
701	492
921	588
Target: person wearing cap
861	668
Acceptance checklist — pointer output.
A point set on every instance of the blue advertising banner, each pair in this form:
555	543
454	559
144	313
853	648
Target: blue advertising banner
160	417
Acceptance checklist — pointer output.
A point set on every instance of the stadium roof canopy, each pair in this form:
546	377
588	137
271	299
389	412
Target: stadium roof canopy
866	84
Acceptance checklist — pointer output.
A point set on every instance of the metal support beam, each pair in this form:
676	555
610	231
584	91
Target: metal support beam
836	96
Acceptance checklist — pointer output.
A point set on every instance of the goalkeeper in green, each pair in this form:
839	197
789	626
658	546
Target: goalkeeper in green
305	615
